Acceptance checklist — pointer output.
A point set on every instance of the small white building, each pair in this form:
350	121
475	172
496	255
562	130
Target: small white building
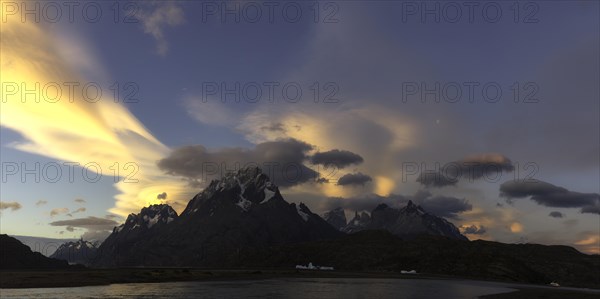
313	267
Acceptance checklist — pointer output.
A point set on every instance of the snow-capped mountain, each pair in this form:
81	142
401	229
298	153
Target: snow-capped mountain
359	222
154	215
241	210
406	222
336	217
412	220
78	252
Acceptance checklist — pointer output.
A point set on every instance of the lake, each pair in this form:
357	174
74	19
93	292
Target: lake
277	288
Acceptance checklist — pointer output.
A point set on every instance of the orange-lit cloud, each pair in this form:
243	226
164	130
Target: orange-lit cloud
516	227
56	120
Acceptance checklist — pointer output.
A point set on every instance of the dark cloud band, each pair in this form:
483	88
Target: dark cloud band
355	179
471	168
549	195
337	158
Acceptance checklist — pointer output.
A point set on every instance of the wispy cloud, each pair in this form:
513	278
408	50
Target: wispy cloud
41	202
160	15
63	130
95	228
58	211
80	210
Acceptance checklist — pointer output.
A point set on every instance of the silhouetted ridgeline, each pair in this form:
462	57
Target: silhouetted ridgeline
16	255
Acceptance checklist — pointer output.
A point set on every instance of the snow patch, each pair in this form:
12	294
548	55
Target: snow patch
268	195
153	221
243	203
301	213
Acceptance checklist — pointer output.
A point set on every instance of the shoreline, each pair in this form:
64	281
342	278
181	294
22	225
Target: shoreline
19	279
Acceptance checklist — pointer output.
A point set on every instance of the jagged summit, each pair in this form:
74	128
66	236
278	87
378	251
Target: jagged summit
247	187
413	208
78	252
158	214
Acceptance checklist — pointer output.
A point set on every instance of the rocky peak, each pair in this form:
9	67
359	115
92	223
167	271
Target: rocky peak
245	188
336	217
148	217
78	252
409	221
358	223
412	208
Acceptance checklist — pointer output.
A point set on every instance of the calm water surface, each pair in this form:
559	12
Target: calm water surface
277	288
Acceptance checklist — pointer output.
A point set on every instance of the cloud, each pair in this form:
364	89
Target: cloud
473	230
322	181
12	205
63	129
472	168
516	227
275	127
442	206
58	211
549	195
96	235
556	214
445	206
164	14
282	160
79	200
162	195
79	210
95	228
337	158
589	242
41	203
354	179
89	222
435	179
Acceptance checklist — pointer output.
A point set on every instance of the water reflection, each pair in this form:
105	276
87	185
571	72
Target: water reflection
276	288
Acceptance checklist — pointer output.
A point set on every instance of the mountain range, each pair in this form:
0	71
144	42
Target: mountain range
407	222
242	220
241	210
76	252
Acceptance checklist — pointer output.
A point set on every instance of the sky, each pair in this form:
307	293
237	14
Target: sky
487	115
